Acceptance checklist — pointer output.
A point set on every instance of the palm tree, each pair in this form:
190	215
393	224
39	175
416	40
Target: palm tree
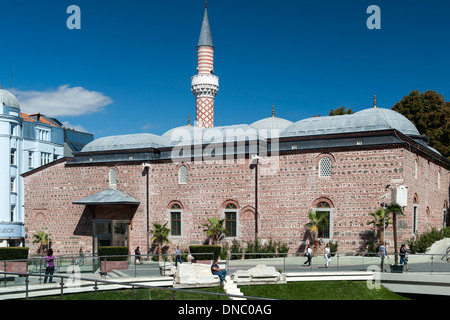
43	239
395	209
378	217
160	235
215	229
317	221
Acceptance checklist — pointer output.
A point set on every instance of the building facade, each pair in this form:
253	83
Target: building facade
28	141
262	178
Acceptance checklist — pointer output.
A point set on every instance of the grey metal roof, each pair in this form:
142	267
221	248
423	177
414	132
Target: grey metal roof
365	120
123	142
108	196
189	135
272	123
205	33
8	99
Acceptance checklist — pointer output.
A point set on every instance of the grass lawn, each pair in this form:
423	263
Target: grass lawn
140	294
314	290
321	290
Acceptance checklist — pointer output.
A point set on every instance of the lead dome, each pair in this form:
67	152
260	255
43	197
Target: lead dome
365	120
7	99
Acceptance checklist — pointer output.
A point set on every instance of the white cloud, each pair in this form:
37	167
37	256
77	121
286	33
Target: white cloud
64	101
77	127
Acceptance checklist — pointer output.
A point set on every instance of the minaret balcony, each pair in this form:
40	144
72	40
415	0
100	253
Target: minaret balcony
205	84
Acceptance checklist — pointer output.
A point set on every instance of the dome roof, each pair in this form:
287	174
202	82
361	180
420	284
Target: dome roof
193	135
129	141
365	120
272	123
179	134
392	118
8	99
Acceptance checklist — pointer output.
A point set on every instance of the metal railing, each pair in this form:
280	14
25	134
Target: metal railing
72	282
163	265
340	261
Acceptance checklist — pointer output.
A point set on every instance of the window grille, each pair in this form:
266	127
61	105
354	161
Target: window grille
325	167
182	175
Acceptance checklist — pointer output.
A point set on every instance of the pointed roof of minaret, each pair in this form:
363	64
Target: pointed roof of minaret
205	33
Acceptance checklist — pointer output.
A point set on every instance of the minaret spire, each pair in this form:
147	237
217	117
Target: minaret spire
375	101
205	85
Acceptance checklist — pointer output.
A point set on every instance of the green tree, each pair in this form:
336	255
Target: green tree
43	239
160	235
317	221
340	111
215	229
379	217
431	115
395	209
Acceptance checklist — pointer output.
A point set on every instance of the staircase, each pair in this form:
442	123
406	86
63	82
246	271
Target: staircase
231	288
440	247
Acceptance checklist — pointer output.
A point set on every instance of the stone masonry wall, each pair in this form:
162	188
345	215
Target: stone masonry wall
285	196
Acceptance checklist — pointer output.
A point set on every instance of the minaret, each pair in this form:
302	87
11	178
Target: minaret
205	85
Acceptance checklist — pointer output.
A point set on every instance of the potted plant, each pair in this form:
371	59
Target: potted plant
395	209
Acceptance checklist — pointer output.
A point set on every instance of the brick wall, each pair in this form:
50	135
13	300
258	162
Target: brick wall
358	180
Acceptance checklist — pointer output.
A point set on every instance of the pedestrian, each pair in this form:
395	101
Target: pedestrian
137	254
327	255
80	260
177	255
383	255
50	266
403	259
309	256
215	269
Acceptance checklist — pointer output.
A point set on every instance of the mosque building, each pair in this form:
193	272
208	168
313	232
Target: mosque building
262	178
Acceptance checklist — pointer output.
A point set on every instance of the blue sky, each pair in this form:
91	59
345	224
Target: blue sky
128	69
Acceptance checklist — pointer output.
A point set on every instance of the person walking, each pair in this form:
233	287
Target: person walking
403	259
327	255
215	269
177	255
50	268
309	256
137	253
383	255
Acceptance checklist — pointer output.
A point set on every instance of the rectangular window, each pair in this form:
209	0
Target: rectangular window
175	223
230	223
13	184
45	158
43	135
415	209
30	159
13	157
12	213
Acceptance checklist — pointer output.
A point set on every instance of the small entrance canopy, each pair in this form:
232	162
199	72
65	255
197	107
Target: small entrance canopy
108	197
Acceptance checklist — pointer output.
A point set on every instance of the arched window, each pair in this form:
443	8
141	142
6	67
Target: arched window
182	175
175	214
231	219
112	177
325	167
